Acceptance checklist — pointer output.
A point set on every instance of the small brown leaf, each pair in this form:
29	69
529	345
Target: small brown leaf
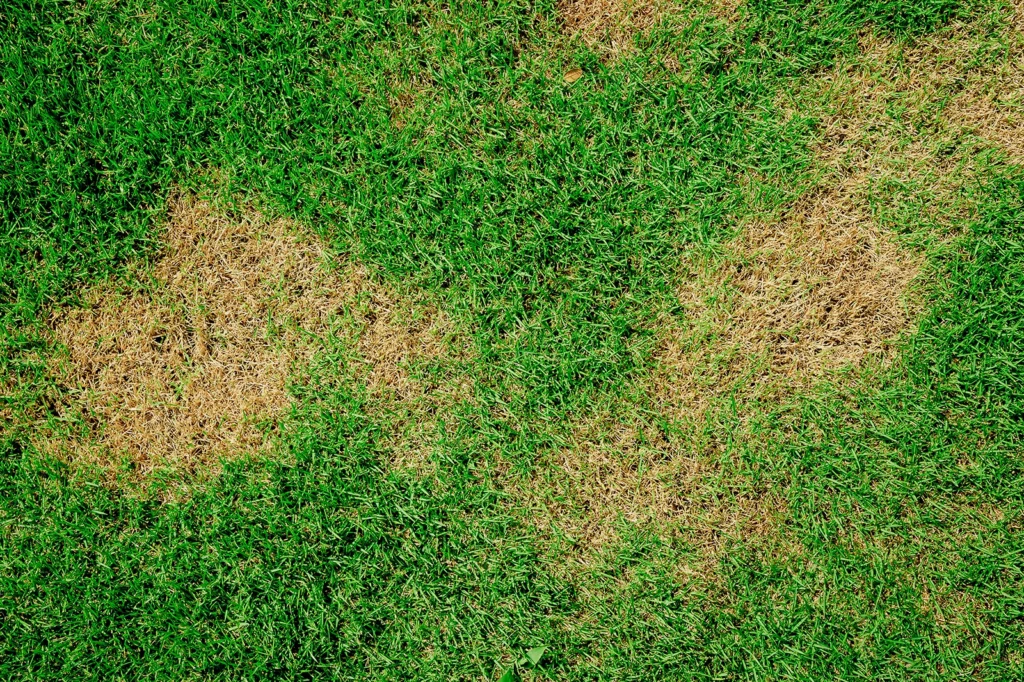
573	76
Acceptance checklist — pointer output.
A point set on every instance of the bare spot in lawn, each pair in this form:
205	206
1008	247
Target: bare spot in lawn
190	363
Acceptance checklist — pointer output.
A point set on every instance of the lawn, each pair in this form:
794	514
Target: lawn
579	340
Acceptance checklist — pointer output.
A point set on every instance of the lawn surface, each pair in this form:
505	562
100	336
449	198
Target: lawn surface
527	426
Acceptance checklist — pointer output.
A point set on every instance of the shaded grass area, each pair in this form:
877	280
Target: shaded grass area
440	145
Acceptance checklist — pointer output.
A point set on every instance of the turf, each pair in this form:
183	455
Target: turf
440	146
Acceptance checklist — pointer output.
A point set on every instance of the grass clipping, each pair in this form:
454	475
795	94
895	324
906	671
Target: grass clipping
190	365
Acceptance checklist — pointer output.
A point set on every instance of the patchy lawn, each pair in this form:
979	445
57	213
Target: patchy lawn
512	340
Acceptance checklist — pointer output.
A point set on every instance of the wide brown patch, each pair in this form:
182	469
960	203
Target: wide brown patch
789	300
967	79
614	21
619	469
803	293
609	26
985	99
190	363
822	286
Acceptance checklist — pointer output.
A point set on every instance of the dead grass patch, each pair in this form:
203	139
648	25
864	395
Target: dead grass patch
790	300
413	355
618	470
608	480
786	303
797	296
608	26
406	95
188	362
612	20
960	80
988	101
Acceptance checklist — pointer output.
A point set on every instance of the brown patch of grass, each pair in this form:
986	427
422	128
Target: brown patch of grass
609	25
616	20
990	102
795	298
406	95
619	466
400	107
400	339
823	286
786	303
603	479
962	79
791	300
181	369
8	387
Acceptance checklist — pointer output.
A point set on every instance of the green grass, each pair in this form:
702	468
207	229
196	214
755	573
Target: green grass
549	220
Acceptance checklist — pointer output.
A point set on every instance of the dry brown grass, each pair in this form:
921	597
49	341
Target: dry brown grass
788	302
794	298
791	299
987	101
612	20
608	475
609	26
190	365
959	81
398	335
823	287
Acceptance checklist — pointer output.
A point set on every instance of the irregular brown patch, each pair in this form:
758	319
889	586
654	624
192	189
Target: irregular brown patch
401	104
613	472
406	94
614	20
787	302
823	287
179	372
8	387
609	25
966	78
400	338
991	100
792	299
